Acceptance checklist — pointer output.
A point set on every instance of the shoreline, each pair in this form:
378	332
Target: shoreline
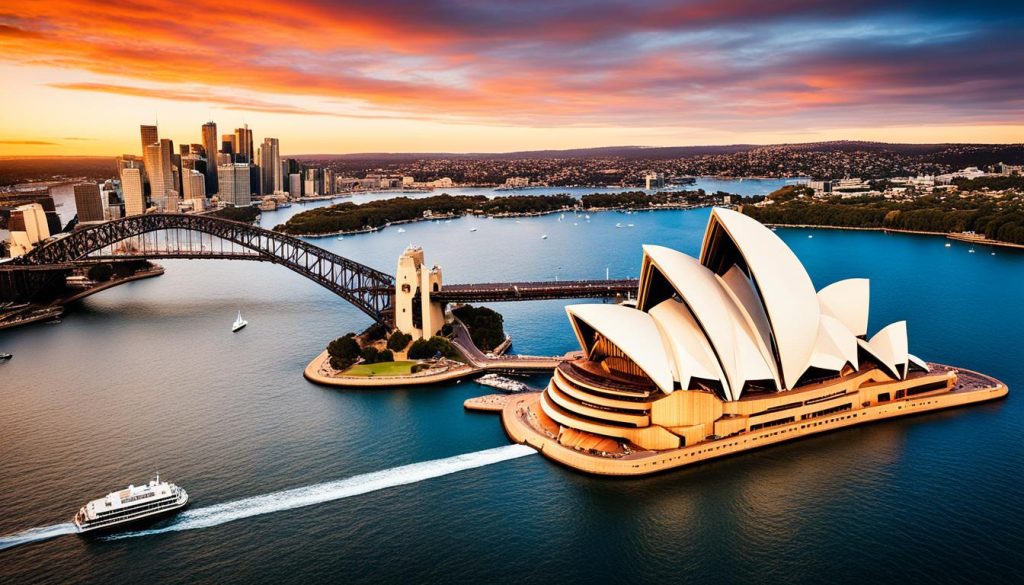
670	207
960	237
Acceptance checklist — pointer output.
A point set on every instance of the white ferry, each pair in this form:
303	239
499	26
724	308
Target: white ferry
132	504
501	383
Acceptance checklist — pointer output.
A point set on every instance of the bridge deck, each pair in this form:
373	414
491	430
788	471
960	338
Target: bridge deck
522	291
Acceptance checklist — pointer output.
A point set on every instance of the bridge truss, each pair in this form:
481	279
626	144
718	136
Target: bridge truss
175	235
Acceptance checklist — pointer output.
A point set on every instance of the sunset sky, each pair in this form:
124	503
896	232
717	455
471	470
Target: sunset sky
484	76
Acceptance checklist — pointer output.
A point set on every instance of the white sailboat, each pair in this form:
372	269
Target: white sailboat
239	323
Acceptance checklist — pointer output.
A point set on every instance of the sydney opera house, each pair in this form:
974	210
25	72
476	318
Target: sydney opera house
727	352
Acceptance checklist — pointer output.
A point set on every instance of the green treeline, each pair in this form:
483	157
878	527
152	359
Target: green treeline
243	214
486	326
349	217
996	218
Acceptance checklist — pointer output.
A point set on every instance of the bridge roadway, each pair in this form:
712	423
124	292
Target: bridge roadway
528	291
503	363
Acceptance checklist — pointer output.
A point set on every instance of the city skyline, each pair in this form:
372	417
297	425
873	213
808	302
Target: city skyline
442	77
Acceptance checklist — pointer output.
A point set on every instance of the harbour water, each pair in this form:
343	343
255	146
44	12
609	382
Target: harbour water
148	378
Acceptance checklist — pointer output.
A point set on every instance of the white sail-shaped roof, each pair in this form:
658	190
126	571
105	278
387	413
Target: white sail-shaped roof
847	300
632	331
786	290
889	347
692	356
734	343
835	347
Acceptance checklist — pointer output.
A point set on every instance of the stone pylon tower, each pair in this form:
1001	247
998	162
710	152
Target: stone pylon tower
415	312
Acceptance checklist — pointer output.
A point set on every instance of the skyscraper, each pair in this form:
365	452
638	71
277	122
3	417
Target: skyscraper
270	165
243	145
234	184
161	174
228	146
193	185
210	145
132	190
149	136
88	202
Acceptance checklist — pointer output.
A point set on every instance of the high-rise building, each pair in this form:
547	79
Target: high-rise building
270	165
154	171
210	146
228	146
193	185
243	145
295	185
149	136
160	170
132	190
88	202
234	184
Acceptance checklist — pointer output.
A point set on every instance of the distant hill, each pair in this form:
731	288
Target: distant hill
669	152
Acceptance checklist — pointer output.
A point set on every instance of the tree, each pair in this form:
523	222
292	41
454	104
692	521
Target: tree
398	341
343	351
423	349
486	326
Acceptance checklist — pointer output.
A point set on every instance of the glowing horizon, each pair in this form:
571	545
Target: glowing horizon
399	76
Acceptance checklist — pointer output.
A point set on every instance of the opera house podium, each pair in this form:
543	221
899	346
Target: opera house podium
727	352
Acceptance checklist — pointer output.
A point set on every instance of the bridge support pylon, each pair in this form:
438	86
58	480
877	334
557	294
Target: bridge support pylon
416	313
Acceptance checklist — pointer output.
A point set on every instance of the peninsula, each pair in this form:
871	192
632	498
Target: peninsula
729	352
347	217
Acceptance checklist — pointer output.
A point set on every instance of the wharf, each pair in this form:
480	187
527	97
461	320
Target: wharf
488	403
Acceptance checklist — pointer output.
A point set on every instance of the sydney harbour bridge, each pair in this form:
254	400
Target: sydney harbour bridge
174	235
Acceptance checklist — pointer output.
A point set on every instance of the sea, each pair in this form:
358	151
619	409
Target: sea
291	482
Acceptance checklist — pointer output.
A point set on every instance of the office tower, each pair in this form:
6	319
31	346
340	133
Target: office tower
295	185
210	146
88	202
254	180
328	182
314	182
228	146
132	190
183	149
161	174
270	165
149	136
234	184
154	172
193	185
243	145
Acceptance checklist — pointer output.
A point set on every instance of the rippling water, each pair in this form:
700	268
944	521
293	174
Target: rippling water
147	377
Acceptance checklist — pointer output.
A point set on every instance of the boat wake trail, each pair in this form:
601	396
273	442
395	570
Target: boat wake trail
208	516
36	534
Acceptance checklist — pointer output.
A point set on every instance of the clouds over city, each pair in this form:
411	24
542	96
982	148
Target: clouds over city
697	63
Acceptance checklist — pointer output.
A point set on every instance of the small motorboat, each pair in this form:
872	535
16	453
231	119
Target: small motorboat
971	251
401	230
472	229
544	237
948	245
239	323
5	356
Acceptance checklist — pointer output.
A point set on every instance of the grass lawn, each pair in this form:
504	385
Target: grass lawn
402	368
